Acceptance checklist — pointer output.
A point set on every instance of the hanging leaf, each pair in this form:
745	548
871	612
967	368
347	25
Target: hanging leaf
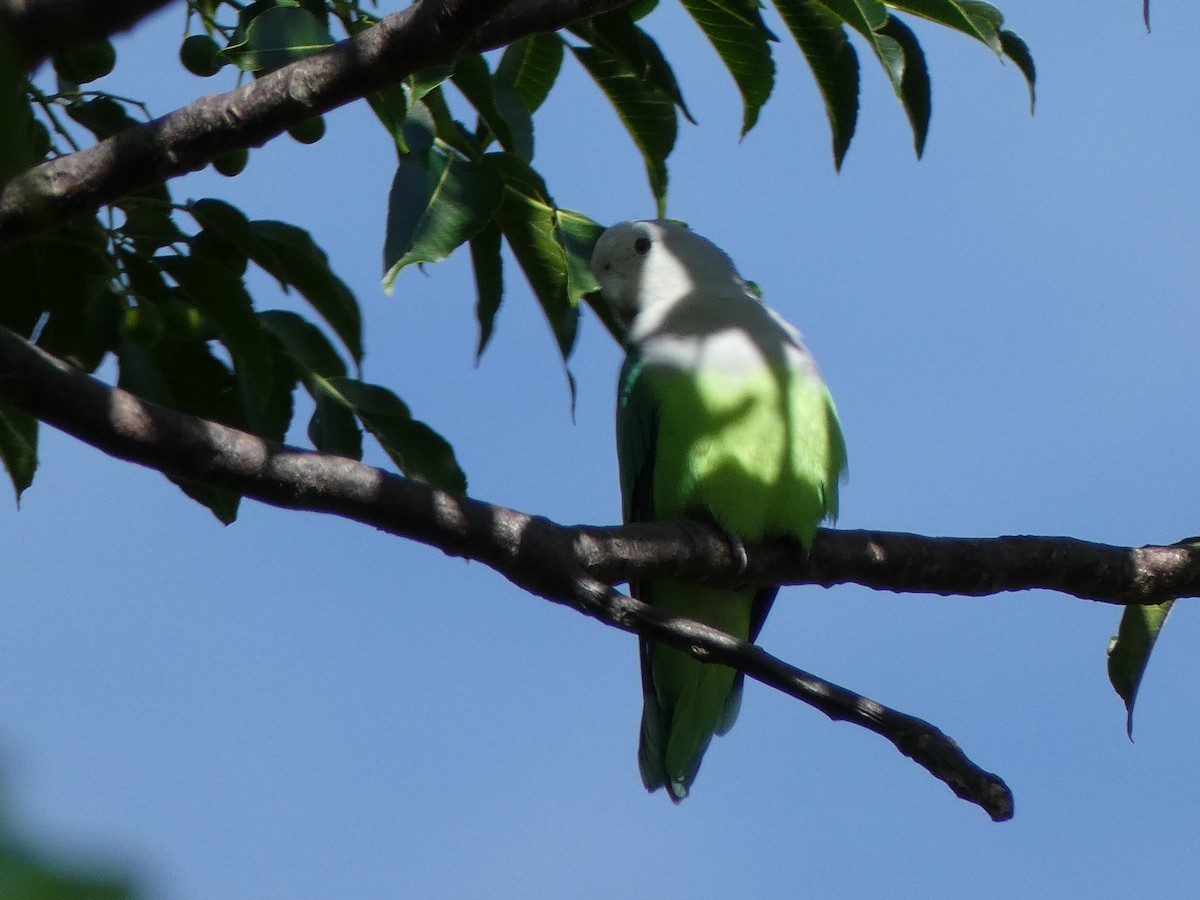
647	113
419	452
736	30
1018	51
489	281
617	36
435	208
1129	652
834	64
18	447
973	19
531	65
527	218
291	255
914	84
867	17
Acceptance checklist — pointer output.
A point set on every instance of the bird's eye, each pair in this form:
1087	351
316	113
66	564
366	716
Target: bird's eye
642	246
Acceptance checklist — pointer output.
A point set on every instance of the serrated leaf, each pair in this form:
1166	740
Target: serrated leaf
303	342
1129	652
18	447
150	218
914	85
333	427
489	281
1017	50
577	235
185	376
223	218
520	122
867	17
221	295
474	81
617	36
647	113
423	81
291	255
419	451
970	19
435	208
527	219
834	64
737	32
278	36
531	65
102	116
444	127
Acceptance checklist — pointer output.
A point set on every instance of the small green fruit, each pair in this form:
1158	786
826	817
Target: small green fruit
309	131
80	65
201	56
183	321
232	163
142	325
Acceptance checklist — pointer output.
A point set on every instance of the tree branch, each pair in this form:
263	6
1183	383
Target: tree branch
428	33
522	18
577	566
538	555
35	29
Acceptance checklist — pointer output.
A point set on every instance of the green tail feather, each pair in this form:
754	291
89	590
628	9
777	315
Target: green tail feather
686	702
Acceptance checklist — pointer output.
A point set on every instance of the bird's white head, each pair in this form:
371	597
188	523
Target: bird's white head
640	265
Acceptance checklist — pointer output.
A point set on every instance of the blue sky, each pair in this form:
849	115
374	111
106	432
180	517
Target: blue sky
299	707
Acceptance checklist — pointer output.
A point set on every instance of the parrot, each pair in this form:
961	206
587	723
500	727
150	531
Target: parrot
723	417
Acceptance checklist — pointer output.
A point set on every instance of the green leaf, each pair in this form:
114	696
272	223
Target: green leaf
970	19
531	65
102	116
617	36
268	413
444	127
514	111
515	130
18	447
834	64
435	208
981	21
527	216
278	36
489	281
914	84
221	217
1129	652
1017	50
577	235
647	113
149	218
333	427
187	377
294	259
419	451
423	81
221	295
737	32
303	342
867	17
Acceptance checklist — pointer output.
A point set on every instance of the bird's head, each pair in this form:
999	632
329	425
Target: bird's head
640	265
